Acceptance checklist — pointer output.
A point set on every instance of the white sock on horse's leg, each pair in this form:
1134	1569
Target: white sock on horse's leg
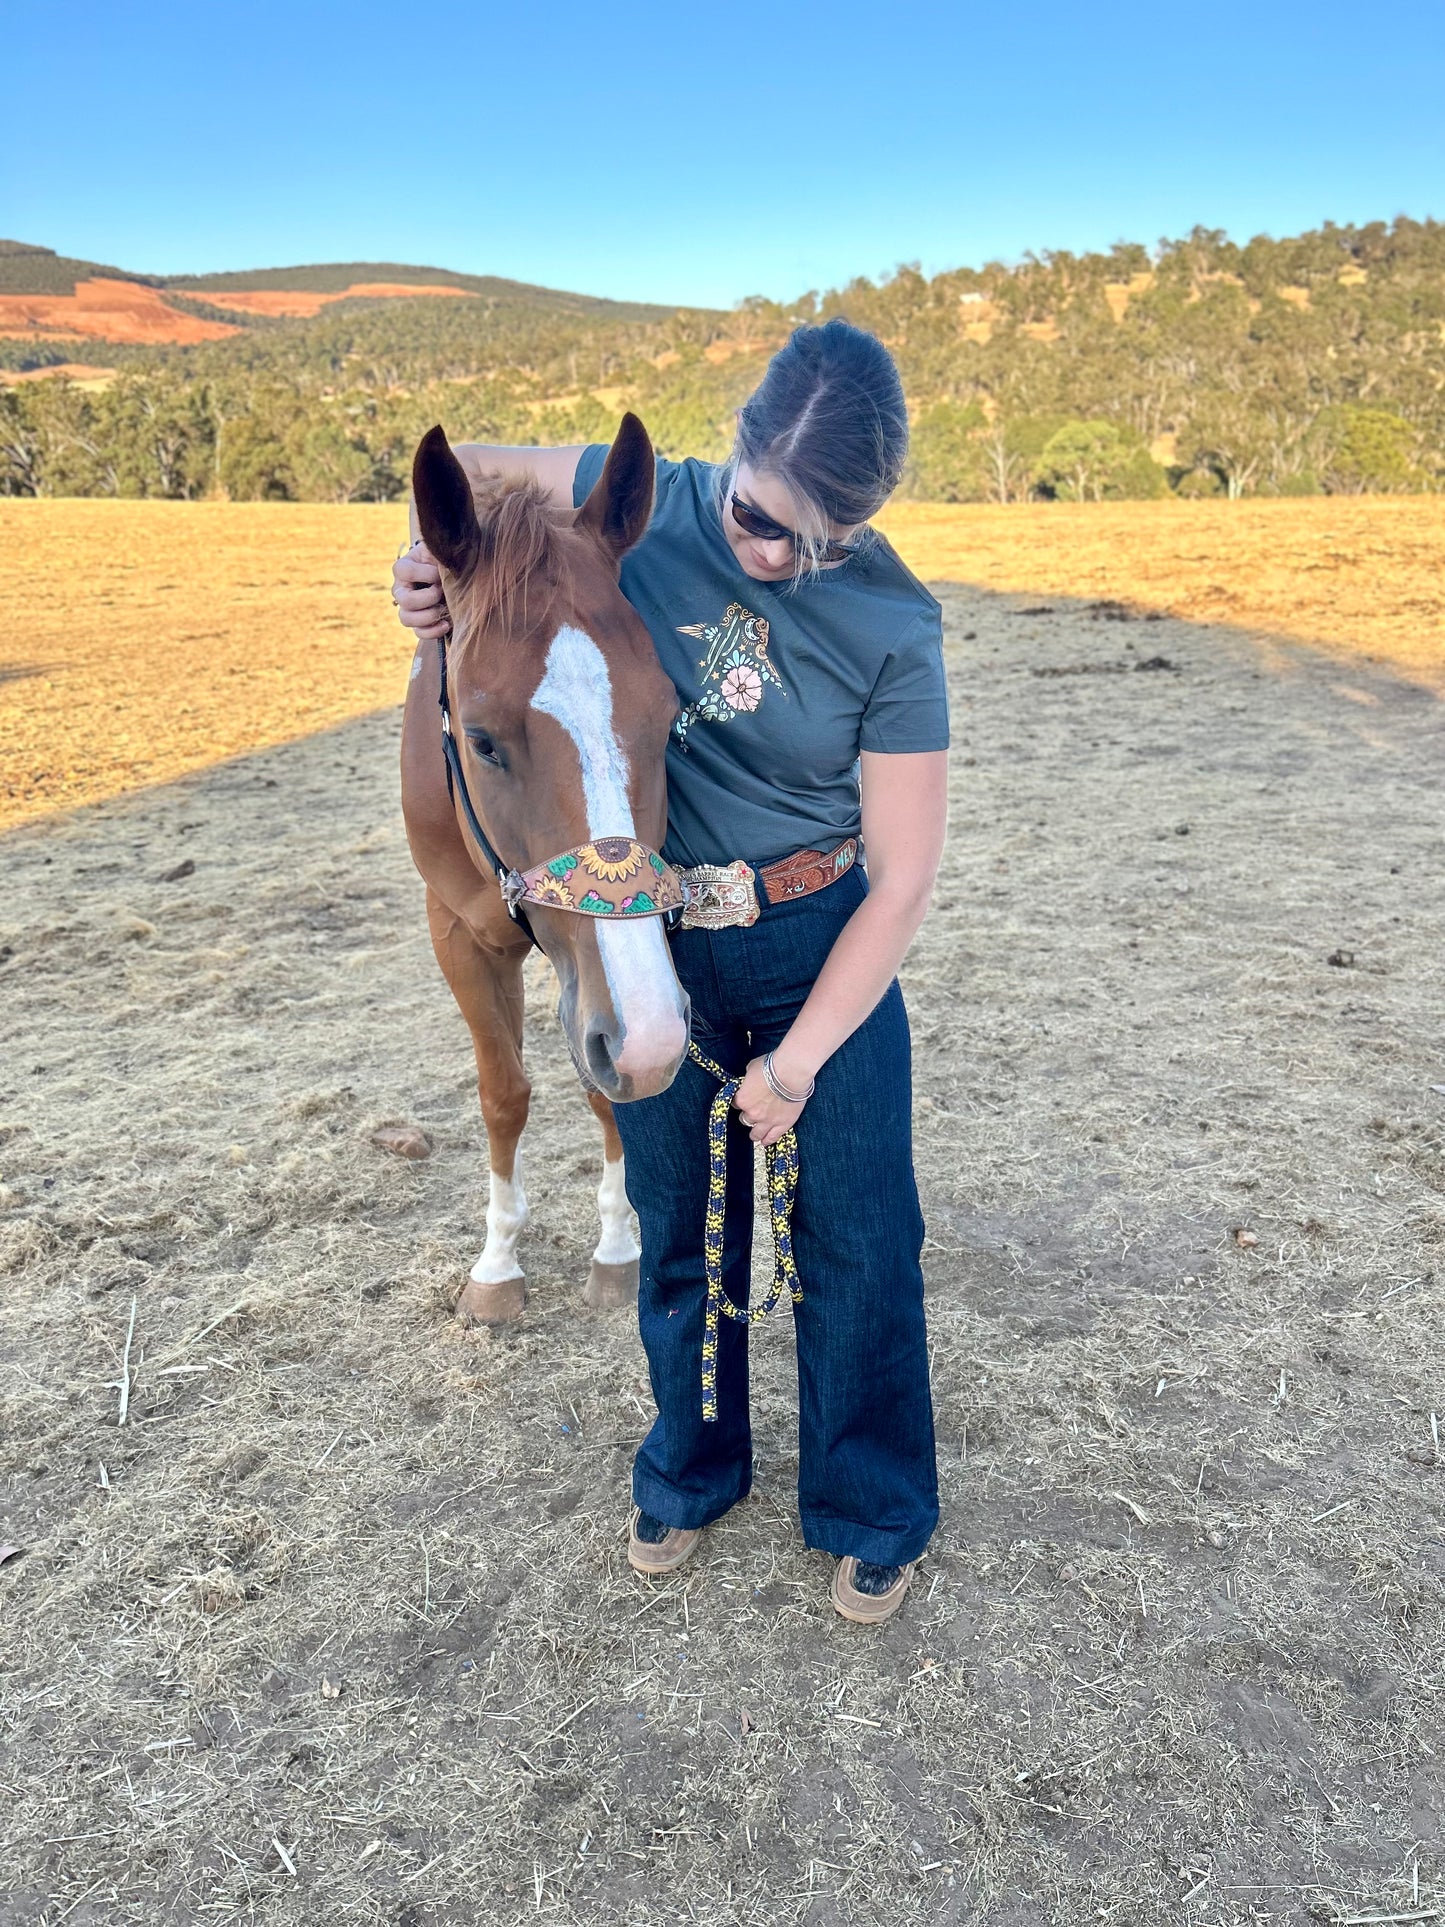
618	1243
612	1281
506	1217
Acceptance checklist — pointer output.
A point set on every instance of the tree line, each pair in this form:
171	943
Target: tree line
1314	364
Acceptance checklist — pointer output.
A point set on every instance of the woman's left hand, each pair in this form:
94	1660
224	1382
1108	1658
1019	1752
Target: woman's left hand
764	1114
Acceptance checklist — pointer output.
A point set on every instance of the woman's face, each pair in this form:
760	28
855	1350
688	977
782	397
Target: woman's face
769	561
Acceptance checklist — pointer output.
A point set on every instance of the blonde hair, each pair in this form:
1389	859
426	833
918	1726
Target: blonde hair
829	421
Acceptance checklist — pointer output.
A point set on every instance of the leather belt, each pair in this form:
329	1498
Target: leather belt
719	895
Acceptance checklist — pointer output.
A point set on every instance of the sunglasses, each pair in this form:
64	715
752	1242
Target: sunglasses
753	522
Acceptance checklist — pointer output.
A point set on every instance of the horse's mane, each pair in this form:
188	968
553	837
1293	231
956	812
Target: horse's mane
521	555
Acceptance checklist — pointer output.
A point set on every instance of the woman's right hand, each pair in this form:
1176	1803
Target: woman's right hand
417	592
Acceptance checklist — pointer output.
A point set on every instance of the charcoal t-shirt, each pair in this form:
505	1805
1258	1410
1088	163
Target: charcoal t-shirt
781	687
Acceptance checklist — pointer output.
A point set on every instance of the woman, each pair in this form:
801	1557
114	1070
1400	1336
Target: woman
808	665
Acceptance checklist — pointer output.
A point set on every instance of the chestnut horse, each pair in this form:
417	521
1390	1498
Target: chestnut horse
559	711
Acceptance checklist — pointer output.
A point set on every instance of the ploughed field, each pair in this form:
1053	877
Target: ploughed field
338	1625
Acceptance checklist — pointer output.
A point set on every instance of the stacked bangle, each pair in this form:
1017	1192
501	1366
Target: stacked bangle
779	1089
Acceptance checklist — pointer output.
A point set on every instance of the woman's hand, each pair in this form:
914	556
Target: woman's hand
417	592
764	1114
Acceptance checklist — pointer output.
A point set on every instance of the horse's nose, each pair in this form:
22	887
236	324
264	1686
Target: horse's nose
630	1064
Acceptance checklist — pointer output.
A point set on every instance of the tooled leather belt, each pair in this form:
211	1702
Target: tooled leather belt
718	895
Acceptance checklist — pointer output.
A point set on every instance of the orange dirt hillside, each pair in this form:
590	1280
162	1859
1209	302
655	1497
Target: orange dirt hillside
1356	576
109	311
301	303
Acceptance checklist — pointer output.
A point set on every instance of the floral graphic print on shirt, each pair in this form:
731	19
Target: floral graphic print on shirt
735	669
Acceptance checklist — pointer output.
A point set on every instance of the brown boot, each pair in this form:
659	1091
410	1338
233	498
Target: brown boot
867	1608
667	1554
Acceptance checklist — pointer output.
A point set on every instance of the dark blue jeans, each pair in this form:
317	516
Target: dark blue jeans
867	1477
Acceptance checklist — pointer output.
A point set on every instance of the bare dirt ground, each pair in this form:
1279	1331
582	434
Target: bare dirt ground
107	310
338	1626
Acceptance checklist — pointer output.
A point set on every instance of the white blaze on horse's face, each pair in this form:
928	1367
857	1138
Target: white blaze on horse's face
649	1032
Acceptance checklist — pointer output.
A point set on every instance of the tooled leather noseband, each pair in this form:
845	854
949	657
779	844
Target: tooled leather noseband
612	876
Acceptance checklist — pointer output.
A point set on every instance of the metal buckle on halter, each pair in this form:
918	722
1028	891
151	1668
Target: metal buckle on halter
514	889
719	895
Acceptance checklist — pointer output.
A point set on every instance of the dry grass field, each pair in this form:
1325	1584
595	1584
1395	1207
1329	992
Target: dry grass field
150	639
337	1625
1359	577
154	638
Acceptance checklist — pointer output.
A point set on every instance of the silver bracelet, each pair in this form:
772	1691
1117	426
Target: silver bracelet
779	1089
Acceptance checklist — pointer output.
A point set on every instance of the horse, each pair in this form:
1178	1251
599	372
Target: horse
540	727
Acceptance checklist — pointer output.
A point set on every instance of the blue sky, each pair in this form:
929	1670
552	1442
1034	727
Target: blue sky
699	154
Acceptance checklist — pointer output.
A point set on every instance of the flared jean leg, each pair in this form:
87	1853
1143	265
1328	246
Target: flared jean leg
687	1472
867	1479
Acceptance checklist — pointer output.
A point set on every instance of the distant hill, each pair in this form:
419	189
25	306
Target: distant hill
1200	366
26	269
341	278
53	298
51	295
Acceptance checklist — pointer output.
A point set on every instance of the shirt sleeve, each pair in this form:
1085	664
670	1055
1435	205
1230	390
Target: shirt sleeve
908	708
589	467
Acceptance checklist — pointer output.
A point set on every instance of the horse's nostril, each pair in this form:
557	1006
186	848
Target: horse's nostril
597	1049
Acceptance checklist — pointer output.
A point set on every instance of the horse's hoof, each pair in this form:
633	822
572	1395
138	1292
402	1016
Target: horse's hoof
491	1304
609	1286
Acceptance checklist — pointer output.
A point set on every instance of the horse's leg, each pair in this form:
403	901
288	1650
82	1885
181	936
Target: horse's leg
613	1278
488	990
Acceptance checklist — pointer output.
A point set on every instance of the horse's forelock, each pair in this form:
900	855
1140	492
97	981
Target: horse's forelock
522	561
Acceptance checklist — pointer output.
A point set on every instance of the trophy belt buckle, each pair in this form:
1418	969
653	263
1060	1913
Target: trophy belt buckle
718	895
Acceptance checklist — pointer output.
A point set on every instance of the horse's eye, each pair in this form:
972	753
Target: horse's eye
482	743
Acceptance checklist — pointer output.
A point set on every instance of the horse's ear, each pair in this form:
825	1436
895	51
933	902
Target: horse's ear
619	508
444	506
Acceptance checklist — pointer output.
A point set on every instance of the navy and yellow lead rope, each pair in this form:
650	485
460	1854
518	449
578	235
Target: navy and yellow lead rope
782	1167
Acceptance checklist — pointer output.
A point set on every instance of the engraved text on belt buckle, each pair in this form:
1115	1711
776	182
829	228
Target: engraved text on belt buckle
718	895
